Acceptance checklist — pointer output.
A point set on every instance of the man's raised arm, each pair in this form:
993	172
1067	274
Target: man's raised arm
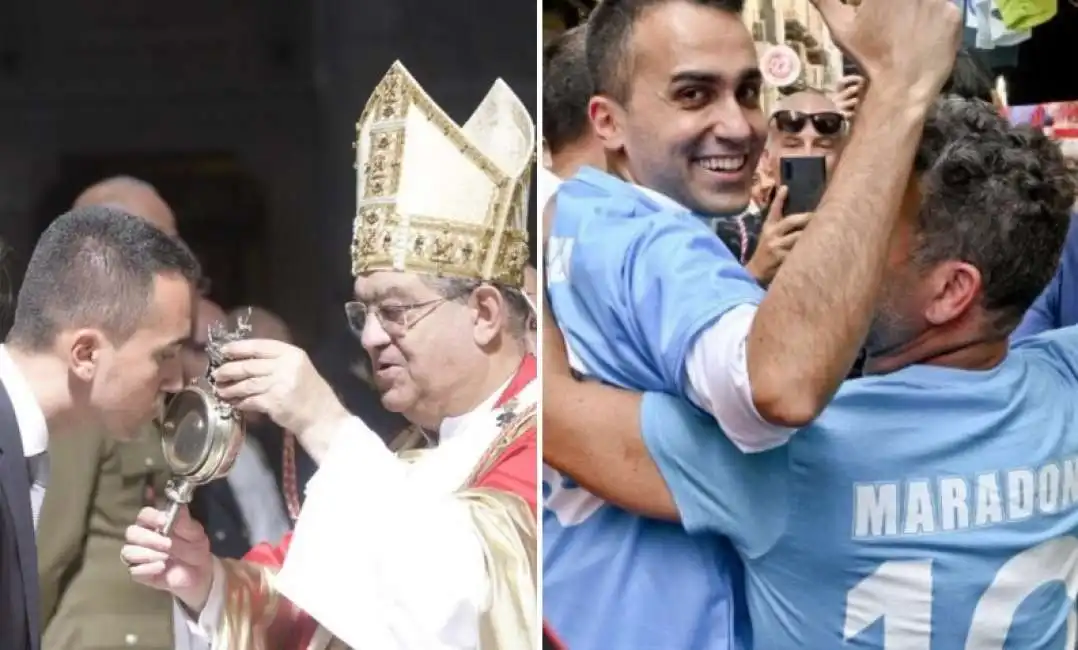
808	329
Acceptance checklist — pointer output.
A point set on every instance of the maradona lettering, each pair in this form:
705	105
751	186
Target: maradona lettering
918	507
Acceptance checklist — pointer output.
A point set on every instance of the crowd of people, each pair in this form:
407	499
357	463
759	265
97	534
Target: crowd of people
842	428
325	534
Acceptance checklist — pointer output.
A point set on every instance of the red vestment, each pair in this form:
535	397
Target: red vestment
512	469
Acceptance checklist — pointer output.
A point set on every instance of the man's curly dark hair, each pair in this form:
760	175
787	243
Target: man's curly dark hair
996	196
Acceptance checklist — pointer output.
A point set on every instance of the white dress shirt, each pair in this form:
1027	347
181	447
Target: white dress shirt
547	185
718	372
32	427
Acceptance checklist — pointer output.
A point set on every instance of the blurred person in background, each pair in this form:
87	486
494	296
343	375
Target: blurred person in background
1057	306
292	467
803	123
570	142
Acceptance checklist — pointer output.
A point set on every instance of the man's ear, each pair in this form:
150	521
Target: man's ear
490	311
956	287
606	117
84	352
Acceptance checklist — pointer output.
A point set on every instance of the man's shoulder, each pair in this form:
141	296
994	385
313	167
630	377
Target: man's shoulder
1053	352
593	196
1063	340
931	413
615	222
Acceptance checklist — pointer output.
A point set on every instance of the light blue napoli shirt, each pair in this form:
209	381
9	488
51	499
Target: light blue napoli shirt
928	509
632	280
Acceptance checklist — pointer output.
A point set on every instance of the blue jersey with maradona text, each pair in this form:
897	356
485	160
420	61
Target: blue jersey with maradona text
928	509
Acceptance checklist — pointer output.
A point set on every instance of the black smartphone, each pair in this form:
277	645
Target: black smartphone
849	67
805	178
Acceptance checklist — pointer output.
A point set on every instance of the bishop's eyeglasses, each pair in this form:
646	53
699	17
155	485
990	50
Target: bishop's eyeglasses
394	319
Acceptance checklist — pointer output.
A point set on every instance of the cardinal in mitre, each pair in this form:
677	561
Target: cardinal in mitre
433	547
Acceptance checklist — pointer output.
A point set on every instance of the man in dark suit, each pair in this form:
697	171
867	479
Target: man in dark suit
103	311
88	600
18	559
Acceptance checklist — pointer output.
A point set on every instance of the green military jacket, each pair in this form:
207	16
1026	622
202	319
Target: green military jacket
96	488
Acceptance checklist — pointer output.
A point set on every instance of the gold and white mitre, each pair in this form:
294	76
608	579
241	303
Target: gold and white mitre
437	198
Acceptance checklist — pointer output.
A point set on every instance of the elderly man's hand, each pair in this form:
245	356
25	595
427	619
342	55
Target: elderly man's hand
277	379
180	564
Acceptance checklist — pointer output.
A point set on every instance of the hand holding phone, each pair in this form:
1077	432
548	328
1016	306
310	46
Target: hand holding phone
849	68
805	179
848	95
778	235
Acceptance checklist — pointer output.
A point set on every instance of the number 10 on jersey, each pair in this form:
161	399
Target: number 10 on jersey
900	593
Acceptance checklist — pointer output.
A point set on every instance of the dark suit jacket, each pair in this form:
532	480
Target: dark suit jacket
214	506
19	608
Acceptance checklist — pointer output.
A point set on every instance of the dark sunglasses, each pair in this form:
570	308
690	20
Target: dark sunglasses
826	123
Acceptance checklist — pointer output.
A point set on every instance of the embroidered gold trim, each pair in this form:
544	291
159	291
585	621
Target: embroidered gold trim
410	438
514	430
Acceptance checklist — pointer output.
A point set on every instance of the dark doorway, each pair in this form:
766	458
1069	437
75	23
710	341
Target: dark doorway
219	207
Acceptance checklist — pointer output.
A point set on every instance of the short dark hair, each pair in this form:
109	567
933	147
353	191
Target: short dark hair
567	88
969	79
459	289
94	267
996	196
610	30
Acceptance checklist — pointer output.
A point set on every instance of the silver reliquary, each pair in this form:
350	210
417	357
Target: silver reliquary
201	435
